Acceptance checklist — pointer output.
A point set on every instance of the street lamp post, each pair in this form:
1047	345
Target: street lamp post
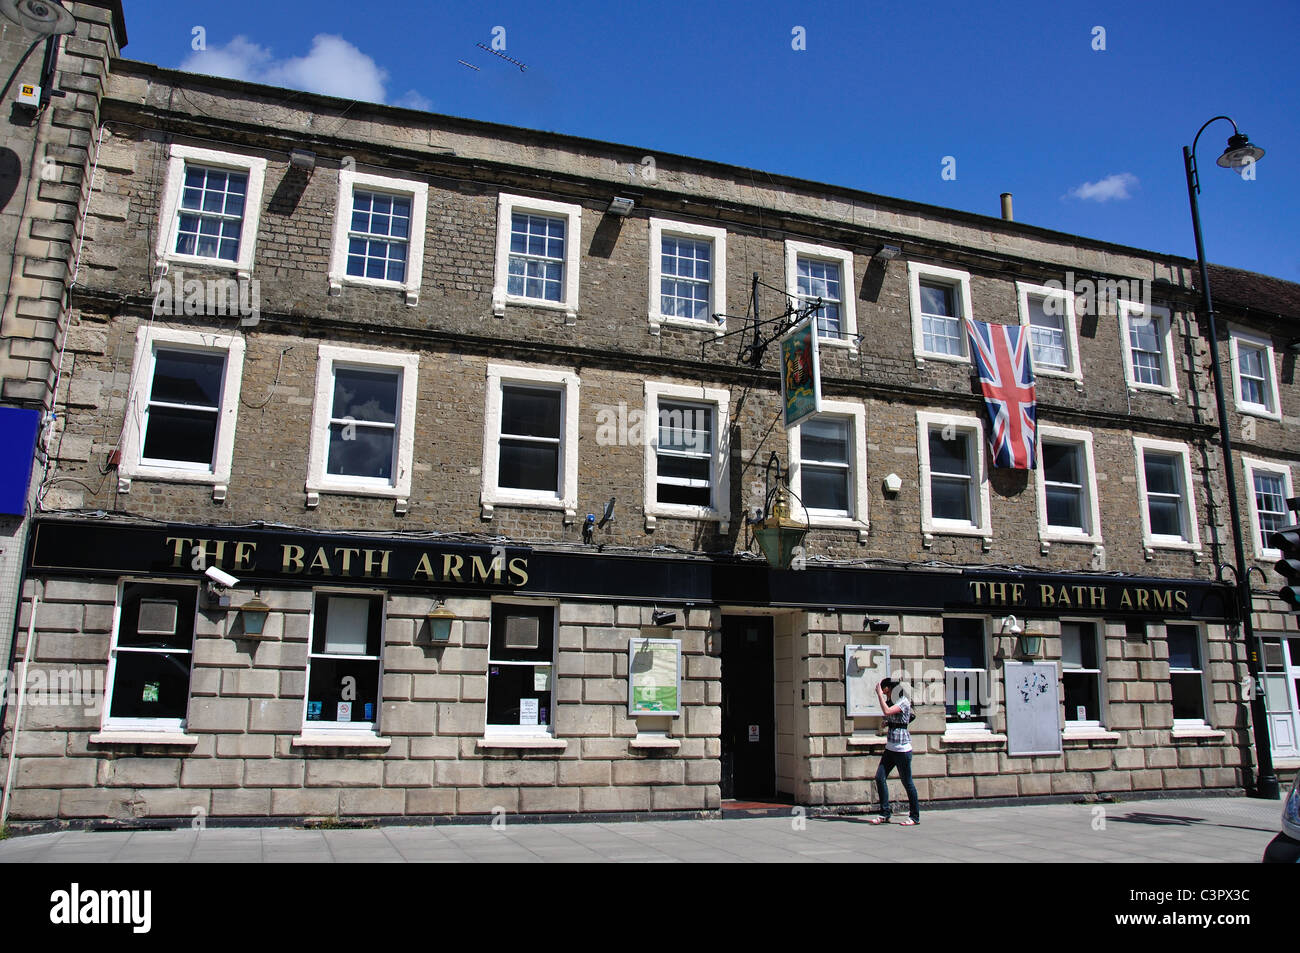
1238	155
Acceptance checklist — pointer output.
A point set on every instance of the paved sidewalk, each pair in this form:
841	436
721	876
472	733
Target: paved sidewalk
1206	830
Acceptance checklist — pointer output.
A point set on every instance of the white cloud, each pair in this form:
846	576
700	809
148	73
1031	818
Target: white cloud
414	99
334	67
1103	190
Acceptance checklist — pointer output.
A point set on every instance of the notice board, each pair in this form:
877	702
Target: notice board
1033	708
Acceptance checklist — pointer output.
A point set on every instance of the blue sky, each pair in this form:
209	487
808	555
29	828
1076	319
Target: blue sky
1088	140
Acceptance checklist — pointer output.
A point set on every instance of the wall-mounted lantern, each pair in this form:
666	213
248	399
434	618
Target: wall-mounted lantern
440	620
252	617
1028	644
778	534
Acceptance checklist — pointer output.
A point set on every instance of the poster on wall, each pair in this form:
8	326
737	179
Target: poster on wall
1033	708
864	667
801	380
654	676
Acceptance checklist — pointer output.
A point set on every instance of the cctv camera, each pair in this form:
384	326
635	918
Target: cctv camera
223	579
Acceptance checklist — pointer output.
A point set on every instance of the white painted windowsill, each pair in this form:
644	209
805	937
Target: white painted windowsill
1206	732
1089	734
143	738
972	738
340	740
551	744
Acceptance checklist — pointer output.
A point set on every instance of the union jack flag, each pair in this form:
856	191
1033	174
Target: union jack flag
1006	371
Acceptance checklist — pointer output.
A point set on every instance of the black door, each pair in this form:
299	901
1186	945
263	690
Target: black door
748	709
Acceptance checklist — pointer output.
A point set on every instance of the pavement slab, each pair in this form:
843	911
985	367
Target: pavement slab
1195	830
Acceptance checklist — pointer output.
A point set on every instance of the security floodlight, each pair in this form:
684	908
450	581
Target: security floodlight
43	17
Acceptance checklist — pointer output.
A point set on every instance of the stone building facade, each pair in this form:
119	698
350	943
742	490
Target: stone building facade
370	362
45	159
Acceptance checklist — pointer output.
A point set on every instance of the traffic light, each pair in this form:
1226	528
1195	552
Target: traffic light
1287	541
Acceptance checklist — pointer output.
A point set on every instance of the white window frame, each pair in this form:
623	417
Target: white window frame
1150	540
508	733
1202	647
1165	326
1099	638
1069	324
974	428
492	495
162	725
169	221
848	288
417	192
659	227
856	518
319	480
1236	338
507	206
1251	465
148	339
984	725
960	283
368	729
1083	440
720	512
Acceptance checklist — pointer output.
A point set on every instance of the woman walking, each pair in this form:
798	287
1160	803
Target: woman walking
896	703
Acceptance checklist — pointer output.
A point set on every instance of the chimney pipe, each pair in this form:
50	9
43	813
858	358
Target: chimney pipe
1006	207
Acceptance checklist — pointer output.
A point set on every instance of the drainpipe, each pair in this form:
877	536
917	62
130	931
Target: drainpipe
18	711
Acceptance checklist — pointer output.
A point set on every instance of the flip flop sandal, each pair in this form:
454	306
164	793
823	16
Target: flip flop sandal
880	820
907	823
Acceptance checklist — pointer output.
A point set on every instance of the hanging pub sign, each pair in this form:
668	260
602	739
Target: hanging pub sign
654	676
801	376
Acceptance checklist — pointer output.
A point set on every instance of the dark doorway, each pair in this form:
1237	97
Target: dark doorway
748	709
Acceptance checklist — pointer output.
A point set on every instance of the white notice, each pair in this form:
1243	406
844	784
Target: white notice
528	711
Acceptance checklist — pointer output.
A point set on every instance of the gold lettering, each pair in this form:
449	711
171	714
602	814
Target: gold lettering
978	589
219	554
290	558
320	562
180	542
244	555
1164	599
451	565
998	593
1144	599
520	570
347	555
382	561
480	571
1180	599
423	568
1046	594
1063	597
1078	595
1018	593
1097	597
1125	599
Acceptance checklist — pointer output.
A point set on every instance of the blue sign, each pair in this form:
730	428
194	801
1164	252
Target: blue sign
18	429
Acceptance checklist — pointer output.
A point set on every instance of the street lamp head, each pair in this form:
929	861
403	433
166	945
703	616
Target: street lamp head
1240	153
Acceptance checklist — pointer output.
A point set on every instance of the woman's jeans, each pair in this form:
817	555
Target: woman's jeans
903	761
